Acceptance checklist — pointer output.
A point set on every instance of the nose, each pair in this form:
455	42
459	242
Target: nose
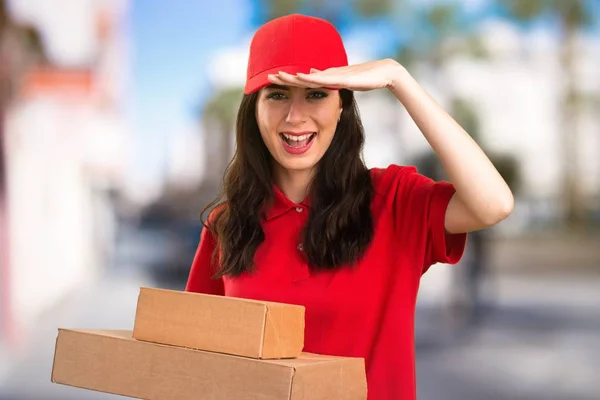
296	114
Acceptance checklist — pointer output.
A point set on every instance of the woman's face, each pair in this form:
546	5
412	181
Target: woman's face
297	124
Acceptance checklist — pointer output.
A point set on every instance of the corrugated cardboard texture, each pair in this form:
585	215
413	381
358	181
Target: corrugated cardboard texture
219	324
114	362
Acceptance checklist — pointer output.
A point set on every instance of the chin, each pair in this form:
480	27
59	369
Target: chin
298	165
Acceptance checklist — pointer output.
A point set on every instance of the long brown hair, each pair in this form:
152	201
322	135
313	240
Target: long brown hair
339	227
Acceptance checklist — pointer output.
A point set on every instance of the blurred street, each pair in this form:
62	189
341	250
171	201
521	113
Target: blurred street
540	339
528	346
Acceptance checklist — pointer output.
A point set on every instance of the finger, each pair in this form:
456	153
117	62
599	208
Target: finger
329	81
330	71
274	78
278	80
293	80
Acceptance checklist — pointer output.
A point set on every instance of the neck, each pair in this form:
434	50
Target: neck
294	184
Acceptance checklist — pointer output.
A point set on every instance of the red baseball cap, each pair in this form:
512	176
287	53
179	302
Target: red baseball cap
293	43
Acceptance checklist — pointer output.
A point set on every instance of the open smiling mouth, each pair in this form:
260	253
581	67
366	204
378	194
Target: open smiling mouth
297	141
297	144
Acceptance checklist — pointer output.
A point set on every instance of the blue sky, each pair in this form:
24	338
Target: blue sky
172	42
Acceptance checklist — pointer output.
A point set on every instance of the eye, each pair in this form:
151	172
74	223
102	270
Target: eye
276	96
317	95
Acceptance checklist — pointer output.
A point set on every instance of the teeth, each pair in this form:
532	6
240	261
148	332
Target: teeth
297	138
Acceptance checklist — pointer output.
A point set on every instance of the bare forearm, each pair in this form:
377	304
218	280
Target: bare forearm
478	184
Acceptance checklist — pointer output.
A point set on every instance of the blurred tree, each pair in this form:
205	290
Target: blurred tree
278	8
374	8
464	112
466	115
220	112
441	36
571	17
332	10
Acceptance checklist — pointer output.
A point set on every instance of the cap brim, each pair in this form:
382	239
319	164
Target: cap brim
261	80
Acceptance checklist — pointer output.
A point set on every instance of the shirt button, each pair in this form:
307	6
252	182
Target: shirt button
299	209
300	247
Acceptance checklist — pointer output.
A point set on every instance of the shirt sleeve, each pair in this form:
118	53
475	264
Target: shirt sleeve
201	279
419	207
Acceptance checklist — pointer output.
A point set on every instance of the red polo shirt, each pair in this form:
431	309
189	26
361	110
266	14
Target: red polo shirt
366	311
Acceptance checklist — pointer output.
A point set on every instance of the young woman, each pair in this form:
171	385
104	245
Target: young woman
306	222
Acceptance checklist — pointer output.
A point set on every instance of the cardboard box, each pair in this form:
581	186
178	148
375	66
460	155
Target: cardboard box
220	324
114	362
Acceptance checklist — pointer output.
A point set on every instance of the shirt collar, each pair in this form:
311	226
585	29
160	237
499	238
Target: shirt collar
281	204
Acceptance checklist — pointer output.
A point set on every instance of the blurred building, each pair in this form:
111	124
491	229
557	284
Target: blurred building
66	135
517	93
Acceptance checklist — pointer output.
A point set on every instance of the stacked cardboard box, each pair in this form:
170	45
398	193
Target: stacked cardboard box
196	346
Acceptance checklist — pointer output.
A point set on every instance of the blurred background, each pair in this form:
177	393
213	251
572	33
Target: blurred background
116	124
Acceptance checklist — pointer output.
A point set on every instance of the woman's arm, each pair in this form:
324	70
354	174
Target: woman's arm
482	197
